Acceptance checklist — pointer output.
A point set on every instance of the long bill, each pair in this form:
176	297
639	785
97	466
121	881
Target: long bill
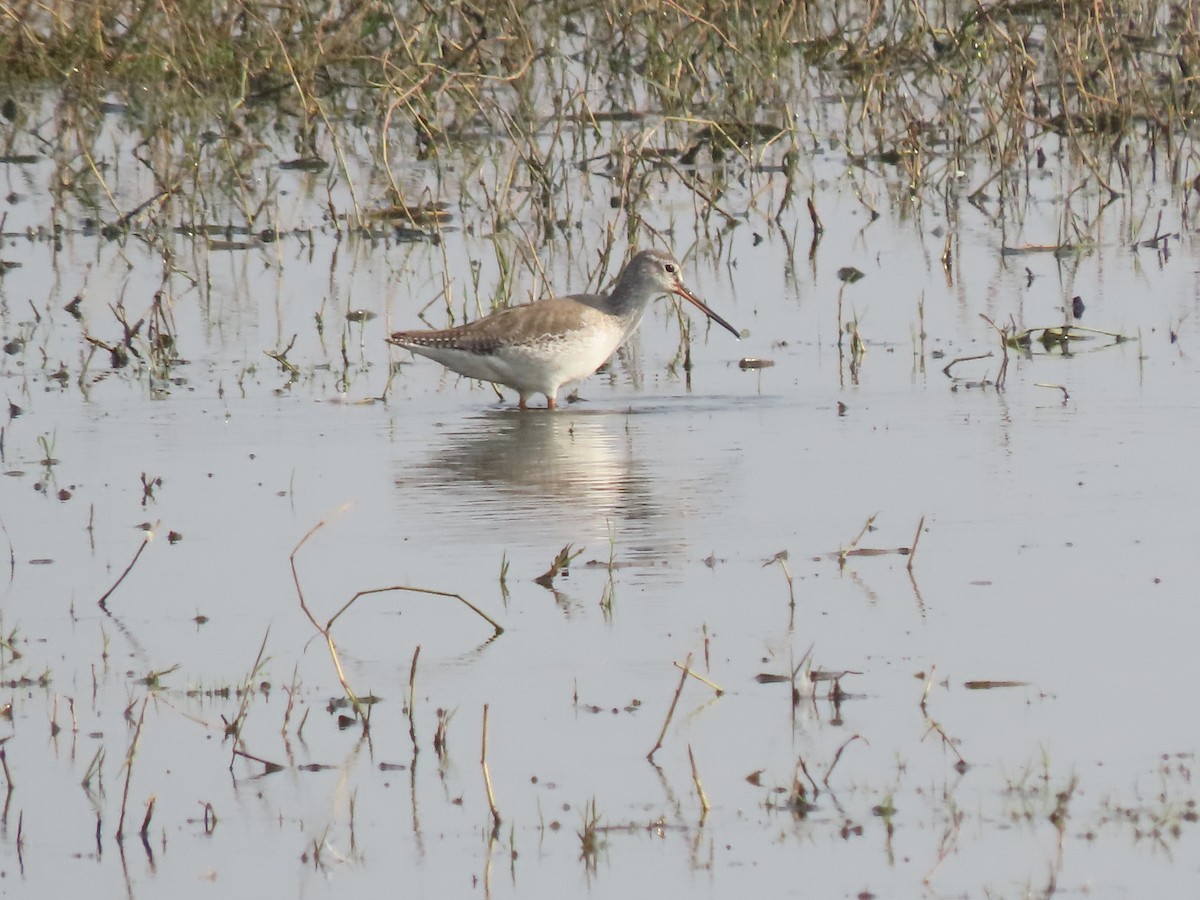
703	307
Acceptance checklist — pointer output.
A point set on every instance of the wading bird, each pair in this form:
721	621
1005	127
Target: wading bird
538	347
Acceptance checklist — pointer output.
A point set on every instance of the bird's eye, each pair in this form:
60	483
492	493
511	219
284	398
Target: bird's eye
669	268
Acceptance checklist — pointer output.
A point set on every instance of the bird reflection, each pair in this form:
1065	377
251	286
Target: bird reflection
546	478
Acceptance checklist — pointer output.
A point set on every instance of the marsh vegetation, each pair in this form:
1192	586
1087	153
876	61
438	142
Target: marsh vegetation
213	213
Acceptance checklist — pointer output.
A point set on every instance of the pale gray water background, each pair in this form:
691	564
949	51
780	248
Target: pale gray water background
1058	551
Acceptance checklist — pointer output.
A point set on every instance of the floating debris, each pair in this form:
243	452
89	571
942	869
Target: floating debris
990	685
425	214
1062	336
305	164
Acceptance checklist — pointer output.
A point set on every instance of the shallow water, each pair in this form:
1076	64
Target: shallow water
1056	553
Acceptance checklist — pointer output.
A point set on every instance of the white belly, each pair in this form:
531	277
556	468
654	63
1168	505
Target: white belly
539	366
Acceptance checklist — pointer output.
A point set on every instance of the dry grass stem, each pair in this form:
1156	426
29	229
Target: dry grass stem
145	829
782	559
912	551
326	629
687	664
412	698
818	228
933	726
269	767
853	550
103	601
838	755
804	769
1003	332
717	689
704	807
928	686
234	728
130	755
210	817
947	742
962	359
487	775
858	537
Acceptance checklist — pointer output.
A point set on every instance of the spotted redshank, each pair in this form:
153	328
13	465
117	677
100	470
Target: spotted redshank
538	347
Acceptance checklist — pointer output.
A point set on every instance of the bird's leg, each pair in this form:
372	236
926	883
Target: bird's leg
524	404
551	403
